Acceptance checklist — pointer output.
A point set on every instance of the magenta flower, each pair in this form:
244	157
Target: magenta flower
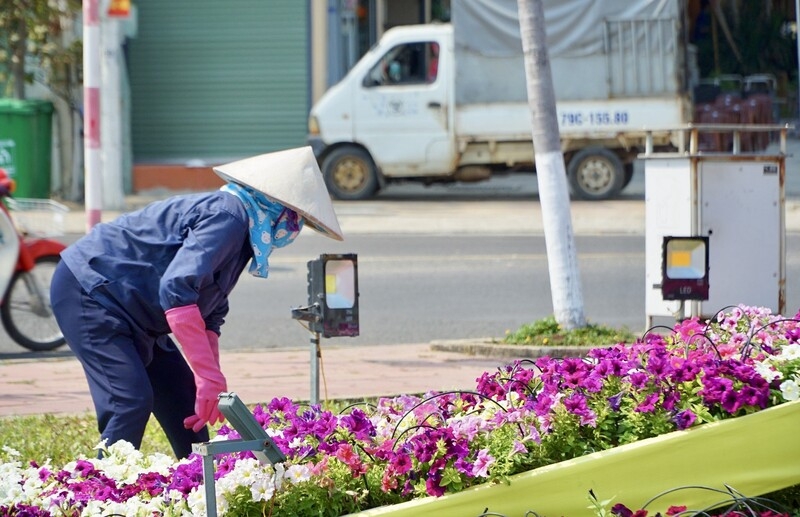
357	423
482	464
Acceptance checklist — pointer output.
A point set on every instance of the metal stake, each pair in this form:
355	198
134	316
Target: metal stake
316	355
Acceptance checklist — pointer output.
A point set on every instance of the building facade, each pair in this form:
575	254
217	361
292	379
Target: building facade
212	82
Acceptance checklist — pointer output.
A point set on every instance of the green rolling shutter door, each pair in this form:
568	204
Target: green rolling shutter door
218	80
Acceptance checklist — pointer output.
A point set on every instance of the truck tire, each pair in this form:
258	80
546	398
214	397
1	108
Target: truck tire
595	173
628	175
350	173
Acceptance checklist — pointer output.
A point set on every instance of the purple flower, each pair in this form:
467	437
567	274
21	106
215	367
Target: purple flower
359	424
685	419
683	370
638	379
621	510
573	370
615	401
576	404
731	401
648	405
401	463
432	485
670	399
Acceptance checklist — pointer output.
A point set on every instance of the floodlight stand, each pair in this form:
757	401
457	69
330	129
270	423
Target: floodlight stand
312	314
316	356
257	441
680	312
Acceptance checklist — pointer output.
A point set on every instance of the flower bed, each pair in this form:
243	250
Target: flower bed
710	455
705	405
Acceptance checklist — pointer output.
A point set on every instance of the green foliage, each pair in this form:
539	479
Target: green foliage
547	332
34	28
762	39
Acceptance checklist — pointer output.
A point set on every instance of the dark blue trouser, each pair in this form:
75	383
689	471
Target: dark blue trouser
124	389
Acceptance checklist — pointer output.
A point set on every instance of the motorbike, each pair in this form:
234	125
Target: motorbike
28	259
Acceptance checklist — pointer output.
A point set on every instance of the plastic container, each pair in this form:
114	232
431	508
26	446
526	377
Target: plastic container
25	145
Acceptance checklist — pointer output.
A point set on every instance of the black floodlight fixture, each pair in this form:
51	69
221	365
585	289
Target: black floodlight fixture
333	295
684	268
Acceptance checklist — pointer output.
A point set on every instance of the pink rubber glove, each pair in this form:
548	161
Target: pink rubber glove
189	328
213	341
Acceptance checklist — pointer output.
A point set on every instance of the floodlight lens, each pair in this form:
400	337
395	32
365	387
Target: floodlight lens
340	284
686	259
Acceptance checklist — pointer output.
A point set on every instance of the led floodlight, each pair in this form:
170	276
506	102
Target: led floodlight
333	295
684	268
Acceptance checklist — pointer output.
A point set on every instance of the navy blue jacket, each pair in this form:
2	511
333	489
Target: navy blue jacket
181	251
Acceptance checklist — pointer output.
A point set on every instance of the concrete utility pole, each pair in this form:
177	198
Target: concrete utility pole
565	280
111	118
91	113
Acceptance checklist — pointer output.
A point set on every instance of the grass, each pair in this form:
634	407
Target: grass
547	332
62	438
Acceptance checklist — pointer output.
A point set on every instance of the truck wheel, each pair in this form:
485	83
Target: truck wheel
350	174
595	173
628	175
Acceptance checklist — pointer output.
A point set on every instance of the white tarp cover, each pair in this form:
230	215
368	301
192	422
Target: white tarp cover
489	50
574	27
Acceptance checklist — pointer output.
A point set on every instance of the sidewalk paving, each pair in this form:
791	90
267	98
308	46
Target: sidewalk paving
57	385
614	217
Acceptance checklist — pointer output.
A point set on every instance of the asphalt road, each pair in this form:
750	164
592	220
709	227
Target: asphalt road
416	288
459	261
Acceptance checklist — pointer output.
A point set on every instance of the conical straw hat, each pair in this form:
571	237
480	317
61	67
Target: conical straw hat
292	178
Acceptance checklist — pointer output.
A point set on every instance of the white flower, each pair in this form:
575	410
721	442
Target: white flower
244	473
280	473
263	489
767	372
13	453
789	352
197	501
790	390
298	473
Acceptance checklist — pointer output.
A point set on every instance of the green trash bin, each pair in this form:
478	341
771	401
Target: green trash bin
25	145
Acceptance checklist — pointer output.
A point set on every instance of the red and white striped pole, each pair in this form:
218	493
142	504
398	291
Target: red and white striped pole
93	185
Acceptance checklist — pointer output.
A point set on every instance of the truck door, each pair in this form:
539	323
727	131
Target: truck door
401	112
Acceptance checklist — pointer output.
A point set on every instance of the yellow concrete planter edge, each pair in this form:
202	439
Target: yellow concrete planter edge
754	454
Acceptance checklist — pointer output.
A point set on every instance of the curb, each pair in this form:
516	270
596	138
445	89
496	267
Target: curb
491	347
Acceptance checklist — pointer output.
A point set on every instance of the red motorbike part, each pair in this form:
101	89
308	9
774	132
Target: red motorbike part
32	249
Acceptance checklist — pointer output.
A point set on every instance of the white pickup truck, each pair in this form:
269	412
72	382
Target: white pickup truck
448	102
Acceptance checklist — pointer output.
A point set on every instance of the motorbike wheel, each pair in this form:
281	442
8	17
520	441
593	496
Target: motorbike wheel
27	316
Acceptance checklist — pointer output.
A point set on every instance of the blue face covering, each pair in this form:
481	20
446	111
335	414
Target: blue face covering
272	225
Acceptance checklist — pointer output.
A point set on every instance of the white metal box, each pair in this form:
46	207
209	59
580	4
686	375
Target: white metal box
735	200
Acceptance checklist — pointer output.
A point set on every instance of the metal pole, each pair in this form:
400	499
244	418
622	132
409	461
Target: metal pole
316	354
210	486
